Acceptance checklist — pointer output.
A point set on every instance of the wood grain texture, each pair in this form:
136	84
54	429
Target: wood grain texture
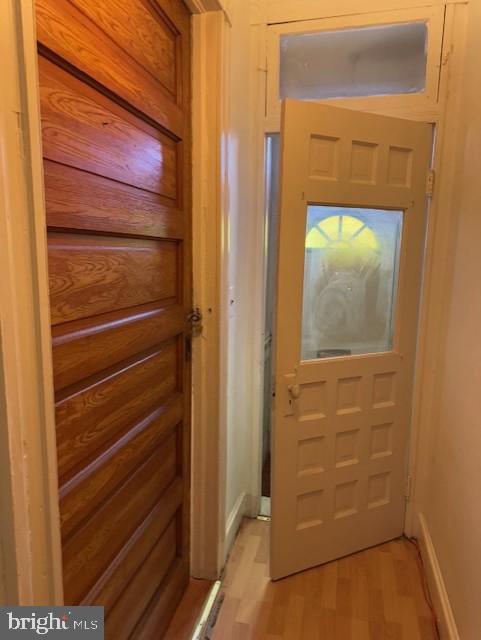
83	129
92	275
68	32
189	610
93	415
95	545
376	594
149	40
79	347
77	199
115	107
139	591
121	571
89	488
156	619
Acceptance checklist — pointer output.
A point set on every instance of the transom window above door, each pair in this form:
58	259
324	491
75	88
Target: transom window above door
366	61
378	62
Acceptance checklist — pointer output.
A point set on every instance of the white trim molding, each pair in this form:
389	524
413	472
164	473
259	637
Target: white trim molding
28	463
437	270
277	11
239	510
420	106
210	246
204	6
437	587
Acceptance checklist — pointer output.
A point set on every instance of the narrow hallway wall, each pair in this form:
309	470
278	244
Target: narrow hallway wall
451	500
241	259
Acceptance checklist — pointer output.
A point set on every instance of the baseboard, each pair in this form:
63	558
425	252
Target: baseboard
234	520
439	594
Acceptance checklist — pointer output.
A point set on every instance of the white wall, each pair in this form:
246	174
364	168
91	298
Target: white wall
451	500
241	260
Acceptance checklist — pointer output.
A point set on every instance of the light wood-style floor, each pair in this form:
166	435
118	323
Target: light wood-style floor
376	594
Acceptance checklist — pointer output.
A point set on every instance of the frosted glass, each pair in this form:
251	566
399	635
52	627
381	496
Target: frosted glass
350	280
381	60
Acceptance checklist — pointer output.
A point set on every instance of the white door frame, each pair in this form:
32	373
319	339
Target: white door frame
30	544
28	467
444	112
210	269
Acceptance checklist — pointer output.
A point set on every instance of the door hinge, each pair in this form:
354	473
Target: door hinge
430	183
407	488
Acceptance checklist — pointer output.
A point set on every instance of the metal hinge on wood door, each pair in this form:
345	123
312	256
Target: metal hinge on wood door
430	183
407	488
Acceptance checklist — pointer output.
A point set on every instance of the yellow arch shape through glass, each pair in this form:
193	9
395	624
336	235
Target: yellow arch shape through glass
342	232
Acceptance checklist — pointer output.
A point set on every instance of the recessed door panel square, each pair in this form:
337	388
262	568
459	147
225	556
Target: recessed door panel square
381	440
313	400
310	456
323	157
384	390
310	509
363	162
348	395
347	448
399	167
378	490
345	499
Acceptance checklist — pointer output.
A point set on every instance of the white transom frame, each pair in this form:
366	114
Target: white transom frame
420	106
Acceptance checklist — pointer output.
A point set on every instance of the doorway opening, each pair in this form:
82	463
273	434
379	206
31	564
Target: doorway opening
272	168
386	67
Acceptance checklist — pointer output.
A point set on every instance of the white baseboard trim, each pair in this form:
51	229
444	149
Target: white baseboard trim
234	520
439	595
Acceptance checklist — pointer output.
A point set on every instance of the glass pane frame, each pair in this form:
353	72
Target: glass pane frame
355	269
425	100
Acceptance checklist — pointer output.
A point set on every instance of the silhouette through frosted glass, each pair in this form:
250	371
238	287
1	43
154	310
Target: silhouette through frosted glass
350	280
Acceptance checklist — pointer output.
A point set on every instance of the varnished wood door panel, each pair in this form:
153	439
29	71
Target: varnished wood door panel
68	32
143	584
102	410
79	347
93	546
150	42
115	107
86	130
89	489
80	200
120	572
90	275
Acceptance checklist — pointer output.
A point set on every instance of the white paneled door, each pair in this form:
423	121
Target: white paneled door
352	219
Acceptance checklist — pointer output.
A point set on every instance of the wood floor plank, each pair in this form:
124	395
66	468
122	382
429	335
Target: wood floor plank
376	594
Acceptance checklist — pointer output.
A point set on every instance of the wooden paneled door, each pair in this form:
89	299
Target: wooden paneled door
352	219
115	107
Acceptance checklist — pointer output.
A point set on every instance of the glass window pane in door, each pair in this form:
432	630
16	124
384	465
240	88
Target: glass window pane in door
350	280
368	61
